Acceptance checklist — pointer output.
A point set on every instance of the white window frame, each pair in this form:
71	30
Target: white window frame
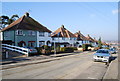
19	32
32	33
41	34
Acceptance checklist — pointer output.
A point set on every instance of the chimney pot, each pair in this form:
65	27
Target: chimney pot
27	14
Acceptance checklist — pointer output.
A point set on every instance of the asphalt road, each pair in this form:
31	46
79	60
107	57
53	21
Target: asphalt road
79	66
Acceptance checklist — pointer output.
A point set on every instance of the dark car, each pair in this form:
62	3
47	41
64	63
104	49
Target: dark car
31	50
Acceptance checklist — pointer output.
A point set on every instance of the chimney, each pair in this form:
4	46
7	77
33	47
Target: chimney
62	26
27	14
88	35
78	31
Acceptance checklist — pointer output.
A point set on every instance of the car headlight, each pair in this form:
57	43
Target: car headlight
106	57
94	56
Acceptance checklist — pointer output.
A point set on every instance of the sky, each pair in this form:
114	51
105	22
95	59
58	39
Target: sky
98	19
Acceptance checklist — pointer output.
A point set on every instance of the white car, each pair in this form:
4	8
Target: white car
102	55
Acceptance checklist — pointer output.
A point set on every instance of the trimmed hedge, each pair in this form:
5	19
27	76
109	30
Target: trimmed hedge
39	49
67	49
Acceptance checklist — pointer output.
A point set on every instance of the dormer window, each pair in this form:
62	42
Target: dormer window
19	32
31	32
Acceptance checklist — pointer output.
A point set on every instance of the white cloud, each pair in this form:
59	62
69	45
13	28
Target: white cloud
116	11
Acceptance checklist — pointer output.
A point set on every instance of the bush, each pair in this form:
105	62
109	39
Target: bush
85	46
46	49
39	49
67	49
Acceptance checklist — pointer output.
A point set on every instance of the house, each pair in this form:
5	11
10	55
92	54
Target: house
63	37
92	41
81	39
25	31
104	45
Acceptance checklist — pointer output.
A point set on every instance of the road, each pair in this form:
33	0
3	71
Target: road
79	66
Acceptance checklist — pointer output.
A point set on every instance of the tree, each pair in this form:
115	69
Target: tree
5	20
99	43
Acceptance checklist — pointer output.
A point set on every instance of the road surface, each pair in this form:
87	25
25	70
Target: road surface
79	66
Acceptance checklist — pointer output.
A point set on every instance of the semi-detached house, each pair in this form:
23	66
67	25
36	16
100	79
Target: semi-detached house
25	31
63	37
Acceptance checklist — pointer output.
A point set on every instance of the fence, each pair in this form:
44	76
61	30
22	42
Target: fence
16	49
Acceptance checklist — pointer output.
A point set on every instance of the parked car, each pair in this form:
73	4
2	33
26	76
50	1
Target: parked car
102	55
112	50
31	49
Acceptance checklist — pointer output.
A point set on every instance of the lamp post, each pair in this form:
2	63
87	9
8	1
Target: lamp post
54	49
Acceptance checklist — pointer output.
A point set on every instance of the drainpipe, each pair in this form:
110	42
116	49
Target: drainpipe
14	37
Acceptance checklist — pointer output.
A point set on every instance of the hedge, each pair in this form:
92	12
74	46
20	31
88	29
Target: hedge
67	49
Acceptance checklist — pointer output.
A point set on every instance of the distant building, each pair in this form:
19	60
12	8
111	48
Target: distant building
25	31
63	37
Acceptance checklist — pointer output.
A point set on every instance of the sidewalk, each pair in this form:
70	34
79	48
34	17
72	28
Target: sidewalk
39	60
112	72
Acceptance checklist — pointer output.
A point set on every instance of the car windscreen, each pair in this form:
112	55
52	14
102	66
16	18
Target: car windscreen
102	51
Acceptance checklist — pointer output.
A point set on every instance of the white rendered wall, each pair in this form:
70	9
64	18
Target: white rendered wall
43	38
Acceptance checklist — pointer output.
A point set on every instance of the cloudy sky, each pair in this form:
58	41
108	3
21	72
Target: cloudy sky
98	19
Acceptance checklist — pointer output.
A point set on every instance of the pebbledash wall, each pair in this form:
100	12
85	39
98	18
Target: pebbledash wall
71	40
44	38
12	35
26	37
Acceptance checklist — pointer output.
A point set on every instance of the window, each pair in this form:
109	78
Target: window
31	32
63	38
53	38
41	43
49	34
19	32
41	33
74	38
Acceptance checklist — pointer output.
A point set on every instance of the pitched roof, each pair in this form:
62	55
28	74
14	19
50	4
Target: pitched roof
104	43
26	23
62	32
95	40
80	36
90	38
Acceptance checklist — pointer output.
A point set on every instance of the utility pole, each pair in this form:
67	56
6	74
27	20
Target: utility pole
54	49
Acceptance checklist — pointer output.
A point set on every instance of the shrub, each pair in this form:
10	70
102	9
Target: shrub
85	46
39	49
67	49
46	49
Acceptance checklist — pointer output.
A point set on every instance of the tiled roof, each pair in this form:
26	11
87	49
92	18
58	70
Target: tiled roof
80	36
62	32
90	38
26	23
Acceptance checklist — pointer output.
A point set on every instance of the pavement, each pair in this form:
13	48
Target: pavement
112	71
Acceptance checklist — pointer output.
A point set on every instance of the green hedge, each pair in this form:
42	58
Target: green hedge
67	49
39	49
85	46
